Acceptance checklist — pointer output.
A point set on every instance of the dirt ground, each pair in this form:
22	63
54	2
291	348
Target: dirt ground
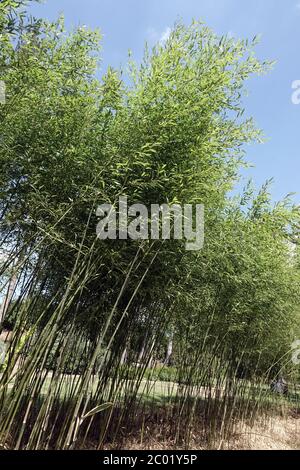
278	434
281	434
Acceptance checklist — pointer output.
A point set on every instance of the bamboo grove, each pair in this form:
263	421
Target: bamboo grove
116	338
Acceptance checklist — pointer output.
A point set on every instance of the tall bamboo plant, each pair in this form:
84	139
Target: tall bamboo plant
91	319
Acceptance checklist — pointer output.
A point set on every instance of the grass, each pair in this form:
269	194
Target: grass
157	391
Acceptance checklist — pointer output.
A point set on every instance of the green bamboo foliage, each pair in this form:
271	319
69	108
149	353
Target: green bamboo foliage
92	320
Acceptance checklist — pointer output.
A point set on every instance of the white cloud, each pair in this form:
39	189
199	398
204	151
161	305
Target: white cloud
165	35
155	36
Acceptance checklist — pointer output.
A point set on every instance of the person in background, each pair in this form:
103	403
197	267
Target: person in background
279	386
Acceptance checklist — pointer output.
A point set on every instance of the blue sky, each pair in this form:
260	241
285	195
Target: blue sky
127	24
